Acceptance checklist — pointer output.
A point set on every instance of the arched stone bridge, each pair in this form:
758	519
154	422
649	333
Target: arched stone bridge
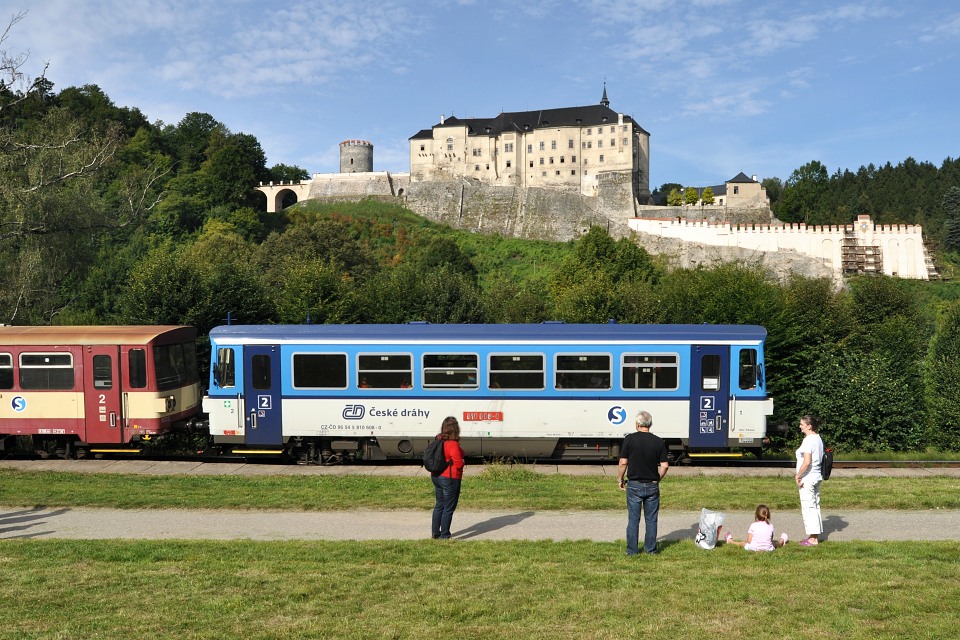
276	192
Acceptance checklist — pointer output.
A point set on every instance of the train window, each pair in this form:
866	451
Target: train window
516	372
225	368
650	371
749	373
137	364
171	364
583	371
710	373
385	371
260	372
450	371
6	371
46	371
102	372
319	371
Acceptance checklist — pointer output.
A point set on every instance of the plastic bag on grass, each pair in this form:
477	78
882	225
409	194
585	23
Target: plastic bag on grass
709	531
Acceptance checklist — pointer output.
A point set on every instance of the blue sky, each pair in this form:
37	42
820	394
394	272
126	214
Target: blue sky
723	86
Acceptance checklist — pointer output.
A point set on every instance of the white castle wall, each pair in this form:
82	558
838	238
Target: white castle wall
901	246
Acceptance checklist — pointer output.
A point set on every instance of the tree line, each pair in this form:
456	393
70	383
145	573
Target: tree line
107	218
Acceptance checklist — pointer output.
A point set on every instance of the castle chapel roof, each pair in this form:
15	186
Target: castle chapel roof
525	121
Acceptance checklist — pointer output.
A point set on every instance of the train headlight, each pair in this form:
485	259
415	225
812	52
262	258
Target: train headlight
171	404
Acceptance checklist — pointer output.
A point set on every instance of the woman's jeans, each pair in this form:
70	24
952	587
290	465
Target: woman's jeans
647	496
810	508
447	491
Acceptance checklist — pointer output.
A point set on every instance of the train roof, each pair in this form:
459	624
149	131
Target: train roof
91	335
489	333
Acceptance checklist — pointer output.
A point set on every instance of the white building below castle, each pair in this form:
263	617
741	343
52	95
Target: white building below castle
863	247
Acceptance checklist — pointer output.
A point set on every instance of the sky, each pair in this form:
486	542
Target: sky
722	86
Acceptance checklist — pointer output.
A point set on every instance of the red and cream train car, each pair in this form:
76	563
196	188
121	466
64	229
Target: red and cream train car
88	387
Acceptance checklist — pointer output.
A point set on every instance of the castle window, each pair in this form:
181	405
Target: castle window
449	144
613	142
553	144
601	157
736	190
488	167
558	171
623	128
508	147
573	172
590	144
541	160
508	164
561	159
531	164
573	158
570	144
529	148
551	159
583	145
599	144
624	142
476	167
422	148
541	145
612	128
589	132
543	175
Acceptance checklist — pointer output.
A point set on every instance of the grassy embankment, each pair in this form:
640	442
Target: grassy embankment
477	589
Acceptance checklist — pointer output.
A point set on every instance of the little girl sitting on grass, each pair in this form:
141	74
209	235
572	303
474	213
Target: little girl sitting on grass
760	534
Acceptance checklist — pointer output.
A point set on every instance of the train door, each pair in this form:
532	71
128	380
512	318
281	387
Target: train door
102	395
709	390
261	389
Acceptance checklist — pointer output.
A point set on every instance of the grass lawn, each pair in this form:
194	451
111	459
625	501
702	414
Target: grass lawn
498	487
429	589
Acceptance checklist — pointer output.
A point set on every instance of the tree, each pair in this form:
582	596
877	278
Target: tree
707	196
803	194
942	378
674	198
951	208
773	187
287	173
691	195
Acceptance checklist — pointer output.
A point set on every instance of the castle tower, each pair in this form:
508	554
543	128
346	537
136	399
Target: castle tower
356	156
604	102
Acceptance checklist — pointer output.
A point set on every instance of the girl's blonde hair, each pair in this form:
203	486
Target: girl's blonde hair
763	513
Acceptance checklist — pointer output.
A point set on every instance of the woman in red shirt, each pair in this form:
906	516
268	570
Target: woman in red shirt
446	485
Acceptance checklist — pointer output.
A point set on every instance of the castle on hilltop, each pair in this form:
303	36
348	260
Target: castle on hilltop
551	174
570	149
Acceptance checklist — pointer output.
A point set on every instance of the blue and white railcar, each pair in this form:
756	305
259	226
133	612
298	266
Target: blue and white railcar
541	391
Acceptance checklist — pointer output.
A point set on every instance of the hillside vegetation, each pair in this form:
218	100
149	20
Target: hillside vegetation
108	218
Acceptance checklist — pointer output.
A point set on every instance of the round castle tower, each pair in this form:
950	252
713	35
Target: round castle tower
356	156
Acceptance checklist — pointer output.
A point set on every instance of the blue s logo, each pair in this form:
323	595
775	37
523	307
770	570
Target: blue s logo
354	412
617	415
19	403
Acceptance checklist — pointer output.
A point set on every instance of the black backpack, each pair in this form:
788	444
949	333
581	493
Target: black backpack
826	464
434	459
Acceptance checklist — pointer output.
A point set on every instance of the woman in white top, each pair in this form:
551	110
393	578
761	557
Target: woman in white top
808	480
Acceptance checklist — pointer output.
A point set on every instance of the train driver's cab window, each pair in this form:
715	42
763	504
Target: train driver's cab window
225	368
583	371
102	372
516	371
137	368
749	369
46	371
6	371
450	371
385	371
710	373
648	371
320	370
171	364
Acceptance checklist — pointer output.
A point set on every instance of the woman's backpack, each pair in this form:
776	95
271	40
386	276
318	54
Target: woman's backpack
826	464
434	459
